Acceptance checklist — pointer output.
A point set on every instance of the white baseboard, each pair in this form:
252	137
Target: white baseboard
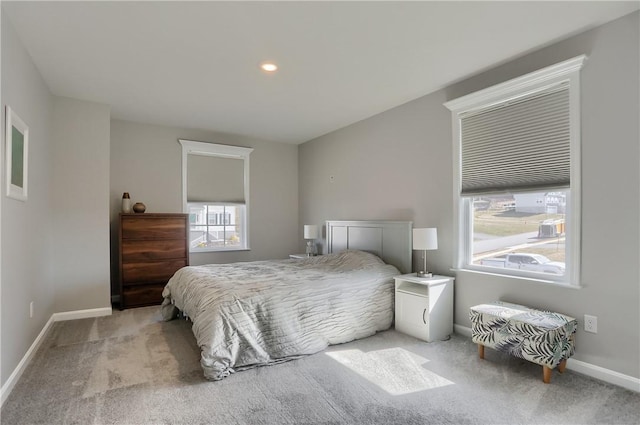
17	372
593	371
462	330
81	314
606	375
55	317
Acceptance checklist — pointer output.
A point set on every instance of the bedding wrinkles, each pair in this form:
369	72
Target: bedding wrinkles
257	313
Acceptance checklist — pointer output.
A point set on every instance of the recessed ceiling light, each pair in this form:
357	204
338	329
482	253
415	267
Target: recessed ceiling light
268	67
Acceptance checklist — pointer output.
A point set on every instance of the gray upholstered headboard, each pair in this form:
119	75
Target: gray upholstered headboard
389	240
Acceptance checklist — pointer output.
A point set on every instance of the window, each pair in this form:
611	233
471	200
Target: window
516	152
215	188
530	236
216	227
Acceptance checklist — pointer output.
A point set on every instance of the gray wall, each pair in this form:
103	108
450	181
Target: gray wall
398	165
146	161
26	237
55	245
80	204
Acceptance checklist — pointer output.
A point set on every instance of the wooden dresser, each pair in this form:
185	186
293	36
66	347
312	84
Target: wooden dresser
151	248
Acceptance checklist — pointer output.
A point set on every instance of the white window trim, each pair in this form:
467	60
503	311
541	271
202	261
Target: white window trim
568	70
192	147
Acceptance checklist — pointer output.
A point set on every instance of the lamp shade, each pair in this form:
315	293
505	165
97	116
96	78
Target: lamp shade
425	238
310	231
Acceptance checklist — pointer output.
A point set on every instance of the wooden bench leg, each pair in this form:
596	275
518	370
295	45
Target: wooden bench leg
562	366
481	351
546	374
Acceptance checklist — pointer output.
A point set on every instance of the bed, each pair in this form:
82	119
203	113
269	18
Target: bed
264	312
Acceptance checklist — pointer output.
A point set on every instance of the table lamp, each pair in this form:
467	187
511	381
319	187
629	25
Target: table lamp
425	239
311	234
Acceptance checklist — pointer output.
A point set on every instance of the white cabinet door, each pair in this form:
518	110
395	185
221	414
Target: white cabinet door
412	315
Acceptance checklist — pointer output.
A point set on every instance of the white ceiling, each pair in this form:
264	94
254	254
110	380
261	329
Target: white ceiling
195	64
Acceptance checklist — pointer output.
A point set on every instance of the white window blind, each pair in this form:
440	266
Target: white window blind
215	179
517	145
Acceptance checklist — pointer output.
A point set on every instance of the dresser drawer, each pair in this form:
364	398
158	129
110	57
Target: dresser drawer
140	295
145	250
150	272
151	248
149	227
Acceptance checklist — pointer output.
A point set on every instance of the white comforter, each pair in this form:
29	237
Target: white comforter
256	313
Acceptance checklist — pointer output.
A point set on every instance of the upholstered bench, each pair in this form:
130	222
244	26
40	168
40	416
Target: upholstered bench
541	337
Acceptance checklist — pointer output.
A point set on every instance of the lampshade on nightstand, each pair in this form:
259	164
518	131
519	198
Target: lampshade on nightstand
425	239
310	231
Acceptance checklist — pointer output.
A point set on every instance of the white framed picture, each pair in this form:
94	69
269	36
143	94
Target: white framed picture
17	152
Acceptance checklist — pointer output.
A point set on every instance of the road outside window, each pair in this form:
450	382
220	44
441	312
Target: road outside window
523	231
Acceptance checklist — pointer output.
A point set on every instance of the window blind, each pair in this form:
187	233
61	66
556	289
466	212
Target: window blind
521	144
215	179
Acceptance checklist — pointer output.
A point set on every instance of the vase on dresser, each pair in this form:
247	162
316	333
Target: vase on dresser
126	203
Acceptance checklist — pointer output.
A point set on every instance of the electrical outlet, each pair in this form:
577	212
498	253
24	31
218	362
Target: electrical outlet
590	324
31	310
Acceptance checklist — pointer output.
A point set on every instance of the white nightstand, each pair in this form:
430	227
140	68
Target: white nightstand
301	256
424	306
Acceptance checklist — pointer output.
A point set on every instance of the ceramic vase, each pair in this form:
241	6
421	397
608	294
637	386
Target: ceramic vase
139	207
126	203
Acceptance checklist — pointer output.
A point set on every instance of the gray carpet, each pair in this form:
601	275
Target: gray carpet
131	368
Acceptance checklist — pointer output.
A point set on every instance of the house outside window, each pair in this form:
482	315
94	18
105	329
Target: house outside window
216	227
215	181
517	186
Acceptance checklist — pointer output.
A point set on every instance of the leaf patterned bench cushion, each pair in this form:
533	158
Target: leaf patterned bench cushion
542	337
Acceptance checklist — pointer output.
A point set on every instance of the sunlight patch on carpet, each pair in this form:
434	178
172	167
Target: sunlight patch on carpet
395	370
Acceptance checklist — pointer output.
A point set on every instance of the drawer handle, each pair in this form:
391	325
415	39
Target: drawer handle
423	313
